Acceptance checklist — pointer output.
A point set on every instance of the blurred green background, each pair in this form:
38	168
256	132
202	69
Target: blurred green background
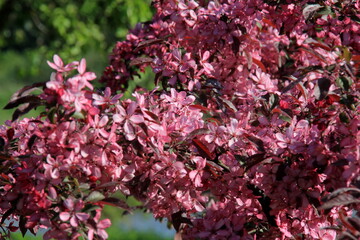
31	32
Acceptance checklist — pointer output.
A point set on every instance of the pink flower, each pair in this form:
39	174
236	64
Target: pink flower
58	64
74	213
130	117
209	69
264	82
53	167
106	99
100	227
81	80
196	175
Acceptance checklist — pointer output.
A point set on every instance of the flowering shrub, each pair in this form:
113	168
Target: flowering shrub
255	123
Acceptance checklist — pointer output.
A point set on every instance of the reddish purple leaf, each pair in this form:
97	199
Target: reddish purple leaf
203	150
140	61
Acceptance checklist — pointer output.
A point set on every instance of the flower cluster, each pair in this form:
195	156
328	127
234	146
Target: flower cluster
257	120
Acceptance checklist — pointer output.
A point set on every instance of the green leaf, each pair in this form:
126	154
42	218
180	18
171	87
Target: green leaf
95	197
84	186
347	54
274	100
344	82
310	9
325	11
285	118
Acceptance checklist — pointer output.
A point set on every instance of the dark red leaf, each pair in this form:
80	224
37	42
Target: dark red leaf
197	132
2	144
341	191
23	110
340	200
228	104
21	100
269	22
355	222
31	141
197	106
10	133
258	143
140	61
331	98
214	166
203	150
254	160
346	236
147	43
6	157
260	64
6	215
235	46
315	43
322	88
115	202
153	116
157	78
177	219
292	84
315	54
22	224
25	91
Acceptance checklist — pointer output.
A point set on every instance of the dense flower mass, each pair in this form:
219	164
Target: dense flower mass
254	123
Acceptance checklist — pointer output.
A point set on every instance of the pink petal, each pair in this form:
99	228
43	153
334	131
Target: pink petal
117	118
105	223
90	234
64	216
131	108
88	76
104	159
206	56
58	61
102	234
53	66
282	144
107	92
121	110
280	137
78	105
200	162
103	121
55	174
69	203
73	221
193	14
52	193
183	67
82	66
209	138
208	67
104	133
137	119
192	4
82	216
193	174
176	54
182	6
